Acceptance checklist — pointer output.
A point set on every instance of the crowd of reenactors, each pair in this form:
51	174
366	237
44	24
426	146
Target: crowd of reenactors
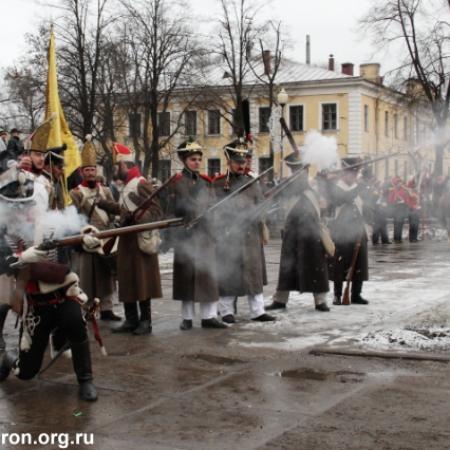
218	249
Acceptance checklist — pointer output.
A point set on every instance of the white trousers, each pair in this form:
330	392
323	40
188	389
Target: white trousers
208	310
255	304
283	297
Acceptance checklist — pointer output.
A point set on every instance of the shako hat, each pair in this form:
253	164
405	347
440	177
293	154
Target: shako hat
294	160
16	185
237	150
188	148
88	153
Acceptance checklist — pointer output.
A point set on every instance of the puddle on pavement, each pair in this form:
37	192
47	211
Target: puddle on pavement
213	359
316	375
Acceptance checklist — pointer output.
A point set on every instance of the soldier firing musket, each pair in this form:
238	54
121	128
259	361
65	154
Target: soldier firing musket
241	254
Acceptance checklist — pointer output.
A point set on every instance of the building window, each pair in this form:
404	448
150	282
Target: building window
417	130
214	122
164	123
190	123
264	164
234	125
264	115
386	123
164	166
405	128
213	167
134	125
396	126
296	118
366	118
329	116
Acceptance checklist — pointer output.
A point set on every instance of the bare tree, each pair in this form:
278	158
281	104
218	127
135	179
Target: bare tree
82	32
25	96
162	53
237	35
419	29
271	46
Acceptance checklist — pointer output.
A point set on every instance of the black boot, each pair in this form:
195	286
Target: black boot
186	325
131	319
3	313
275	305
356	293
81	359
229	318
264	318
7	363
323	307
212	323
145	323
109	316
337	293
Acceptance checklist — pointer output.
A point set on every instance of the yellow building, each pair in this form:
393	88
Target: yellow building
366	118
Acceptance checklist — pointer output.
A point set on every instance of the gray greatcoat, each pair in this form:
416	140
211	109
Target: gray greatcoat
303	263
194	268
240	252
347	228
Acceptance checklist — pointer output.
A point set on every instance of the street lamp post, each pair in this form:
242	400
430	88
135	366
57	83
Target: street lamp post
282	99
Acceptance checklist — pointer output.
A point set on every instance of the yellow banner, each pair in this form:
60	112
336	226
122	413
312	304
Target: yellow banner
60	133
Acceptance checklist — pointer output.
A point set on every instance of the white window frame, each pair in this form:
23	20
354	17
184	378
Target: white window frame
338	124
303	116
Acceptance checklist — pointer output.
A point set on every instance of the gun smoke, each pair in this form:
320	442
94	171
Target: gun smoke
33	221
320	151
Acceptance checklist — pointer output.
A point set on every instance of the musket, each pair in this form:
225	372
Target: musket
115	232
288	133
362	163
351	271
228	198
270	195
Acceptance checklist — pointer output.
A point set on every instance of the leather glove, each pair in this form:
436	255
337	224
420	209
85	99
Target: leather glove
32	255
91	244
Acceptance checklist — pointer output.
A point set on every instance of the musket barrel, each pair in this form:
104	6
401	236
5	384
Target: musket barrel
115	232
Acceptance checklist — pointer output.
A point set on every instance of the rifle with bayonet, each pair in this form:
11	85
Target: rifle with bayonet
360	164
269	198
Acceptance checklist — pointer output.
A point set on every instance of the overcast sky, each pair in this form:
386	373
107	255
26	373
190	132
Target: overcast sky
332	25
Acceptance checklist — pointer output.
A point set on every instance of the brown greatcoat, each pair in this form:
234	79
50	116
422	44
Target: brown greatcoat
240	252
96	278
137	272
194	268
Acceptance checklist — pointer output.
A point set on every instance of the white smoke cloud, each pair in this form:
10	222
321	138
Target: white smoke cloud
33	221
320	151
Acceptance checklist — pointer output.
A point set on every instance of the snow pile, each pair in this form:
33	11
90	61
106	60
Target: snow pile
423	339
